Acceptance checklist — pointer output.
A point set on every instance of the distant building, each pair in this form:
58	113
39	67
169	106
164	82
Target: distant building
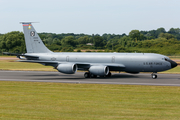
89	44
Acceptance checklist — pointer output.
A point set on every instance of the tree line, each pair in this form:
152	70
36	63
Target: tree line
153	41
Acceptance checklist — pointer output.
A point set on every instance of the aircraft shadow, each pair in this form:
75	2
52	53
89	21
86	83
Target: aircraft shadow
78	77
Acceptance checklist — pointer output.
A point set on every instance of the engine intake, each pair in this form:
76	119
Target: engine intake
67	68
99	70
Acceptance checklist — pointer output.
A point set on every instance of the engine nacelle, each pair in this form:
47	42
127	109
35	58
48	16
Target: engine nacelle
67	68
99	70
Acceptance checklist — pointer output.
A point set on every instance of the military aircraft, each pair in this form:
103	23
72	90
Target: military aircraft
97	64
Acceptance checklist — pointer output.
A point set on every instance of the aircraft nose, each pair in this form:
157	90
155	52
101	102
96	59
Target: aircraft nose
173	64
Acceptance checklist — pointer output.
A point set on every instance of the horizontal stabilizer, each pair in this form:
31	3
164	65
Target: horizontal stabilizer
12	54
20	56
37	61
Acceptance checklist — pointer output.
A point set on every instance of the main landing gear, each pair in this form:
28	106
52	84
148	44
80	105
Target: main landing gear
89	75
86	74
153	75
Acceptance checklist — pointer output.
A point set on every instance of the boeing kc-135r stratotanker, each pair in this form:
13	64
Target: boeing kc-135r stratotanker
97	64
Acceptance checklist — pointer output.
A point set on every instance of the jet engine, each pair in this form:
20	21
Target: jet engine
99	70
67	68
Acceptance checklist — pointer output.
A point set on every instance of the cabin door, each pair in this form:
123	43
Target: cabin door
67	59
113	59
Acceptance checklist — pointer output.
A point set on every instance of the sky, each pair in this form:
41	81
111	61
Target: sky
89	16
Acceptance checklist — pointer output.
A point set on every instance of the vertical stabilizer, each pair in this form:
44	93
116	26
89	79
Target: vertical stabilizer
33	42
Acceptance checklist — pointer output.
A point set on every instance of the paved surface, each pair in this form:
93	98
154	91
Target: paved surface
123	78
9	58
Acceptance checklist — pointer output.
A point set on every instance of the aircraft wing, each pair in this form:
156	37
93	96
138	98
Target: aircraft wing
81	66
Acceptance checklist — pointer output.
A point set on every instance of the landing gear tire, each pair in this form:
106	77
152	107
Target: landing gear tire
154	76
87	75
93	76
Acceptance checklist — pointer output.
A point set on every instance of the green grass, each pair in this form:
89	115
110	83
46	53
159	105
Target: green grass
13	65
175	70
174	57
56	101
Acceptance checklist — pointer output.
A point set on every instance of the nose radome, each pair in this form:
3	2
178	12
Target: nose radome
173	64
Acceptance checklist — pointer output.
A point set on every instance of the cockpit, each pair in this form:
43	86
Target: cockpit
173	64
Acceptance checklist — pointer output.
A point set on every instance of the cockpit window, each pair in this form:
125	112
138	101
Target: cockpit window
164	59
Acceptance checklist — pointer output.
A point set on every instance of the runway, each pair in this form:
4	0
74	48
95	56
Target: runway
78	78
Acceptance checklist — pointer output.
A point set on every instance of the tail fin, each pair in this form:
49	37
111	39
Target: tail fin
33	42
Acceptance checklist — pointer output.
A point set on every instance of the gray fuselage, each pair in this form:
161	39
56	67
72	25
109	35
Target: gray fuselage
133	62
